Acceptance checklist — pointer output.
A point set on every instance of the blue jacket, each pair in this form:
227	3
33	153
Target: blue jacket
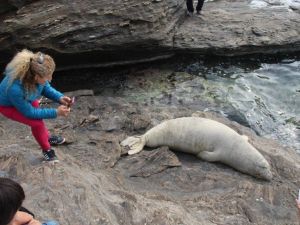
14	95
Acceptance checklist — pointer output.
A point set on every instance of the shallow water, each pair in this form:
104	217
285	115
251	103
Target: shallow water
262	95
273	3
267	96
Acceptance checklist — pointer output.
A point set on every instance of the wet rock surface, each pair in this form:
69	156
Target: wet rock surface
98	33
96	182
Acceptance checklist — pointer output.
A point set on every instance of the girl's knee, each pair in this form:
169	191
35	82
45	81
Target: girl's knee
37	124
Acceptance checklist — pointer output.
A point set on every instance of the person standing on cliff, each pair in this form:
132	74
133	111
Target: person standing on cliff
190	7
27	78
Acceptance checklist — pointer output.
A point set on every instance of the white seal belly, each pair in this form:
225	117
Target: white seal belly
207	139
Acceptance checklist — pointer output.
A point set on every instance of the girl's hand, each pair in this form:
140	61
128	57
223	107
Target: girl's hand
21	218
34	222
63	110
65	100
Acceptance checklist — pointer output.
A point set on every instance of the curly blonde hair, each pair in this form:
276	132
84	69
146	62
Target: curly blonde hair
26	65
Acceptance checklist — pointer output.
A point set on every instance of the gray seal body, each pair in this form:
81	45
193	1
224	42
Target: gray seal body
207	139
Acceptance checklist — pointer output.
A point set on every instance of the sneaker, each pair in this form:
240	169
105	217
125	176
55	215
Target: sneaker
56	140
50	156
188	13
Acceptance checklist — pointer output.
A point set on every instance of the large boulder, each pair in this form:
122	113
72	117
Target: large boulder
104	33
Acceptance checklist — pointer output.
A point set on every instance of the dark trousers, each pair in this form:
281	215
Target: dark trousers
190	7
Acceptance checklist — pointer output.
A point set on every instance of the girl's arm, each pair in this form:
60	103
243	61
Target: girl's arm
17	98
51	93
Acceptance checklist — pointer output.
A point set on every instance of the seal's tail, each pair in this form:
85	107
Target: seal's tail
135	144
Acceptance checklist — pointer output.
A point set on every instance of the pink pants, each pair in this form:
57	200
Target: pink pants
38	128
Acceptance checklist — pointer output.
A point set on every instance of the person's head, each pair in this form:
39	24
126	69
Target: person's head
31	68
11	197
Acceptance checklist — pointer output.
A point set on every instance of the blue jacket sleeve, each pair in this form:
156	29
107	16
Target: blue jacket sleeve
17	98
49	92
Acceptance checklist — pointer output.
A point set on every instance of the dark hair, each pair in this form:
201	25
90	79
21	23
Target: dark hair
11	198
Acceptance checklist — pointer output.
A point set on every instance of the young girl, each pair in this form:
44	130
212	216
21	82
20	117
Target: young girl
27	78
11	212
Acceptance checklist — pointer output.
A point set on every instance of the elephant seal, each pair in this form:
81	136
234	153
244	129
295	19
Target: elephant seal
208	140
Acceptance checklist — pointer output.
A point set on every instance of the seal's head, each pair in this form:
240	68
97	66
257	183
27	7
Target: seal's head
250	161
262	169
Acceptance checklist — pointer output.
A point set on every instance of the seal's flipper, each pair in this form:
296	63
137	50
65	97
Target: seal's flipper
135	144
208	156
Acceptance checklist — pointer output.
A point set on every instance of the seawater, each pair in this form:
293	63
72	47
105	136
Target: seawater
267	95
261	94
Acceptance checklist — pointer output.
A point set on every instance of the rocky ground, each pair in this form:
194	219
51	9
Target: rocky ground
96	182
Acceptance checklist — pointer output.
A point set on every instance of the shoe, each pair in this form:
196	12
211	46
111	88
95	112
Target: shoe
56	140
188	13
50	156
199	12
